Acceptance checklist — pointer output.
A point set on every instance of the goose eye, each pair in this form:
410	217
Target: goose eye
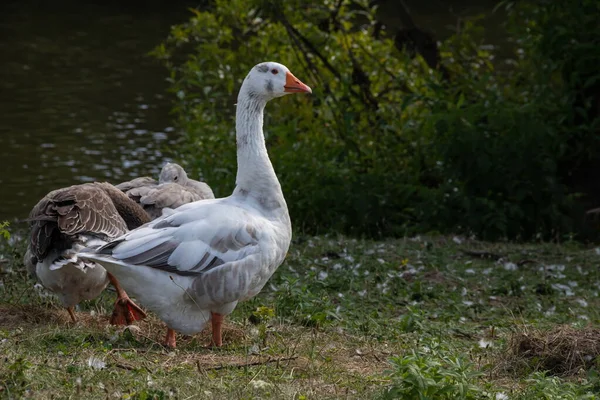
175	178
274	71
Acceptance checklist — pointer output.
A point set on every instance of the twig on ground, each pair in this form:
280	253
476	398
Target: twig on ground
127	367
482	254
252	364
123	366
525	261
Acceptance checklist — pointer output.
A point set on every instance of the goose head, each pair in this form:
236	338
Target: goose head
269	80
172	172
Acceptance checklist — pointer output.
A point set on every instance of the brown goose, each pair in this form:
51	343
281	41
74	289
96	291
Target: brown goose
65	221
172	190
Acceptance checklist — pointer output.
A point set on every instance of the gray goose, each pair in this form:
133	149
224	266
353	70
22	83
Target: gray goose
175	173
69	219
172	190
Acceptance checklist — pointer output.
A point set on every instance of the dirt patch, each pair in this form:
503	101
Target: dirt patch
561	351
367	364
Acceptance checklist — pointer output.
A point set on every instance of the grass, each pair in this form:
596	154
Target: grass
423	317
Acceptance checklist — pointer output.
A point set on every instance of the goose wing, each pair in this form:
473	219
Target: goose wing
136	183
70	211
192	240
171	195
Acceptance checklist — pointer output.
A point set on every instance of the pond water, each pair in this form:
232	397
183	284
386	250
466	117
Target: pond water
79	98
81	101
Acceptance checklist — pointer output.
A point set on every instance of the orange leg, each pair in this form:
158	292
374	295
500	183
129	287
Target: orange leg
125	311
71	311
217	321
170	339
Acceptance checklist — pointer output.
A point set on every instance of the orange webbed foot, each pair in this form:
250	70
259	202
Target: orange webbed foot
126	312
170	340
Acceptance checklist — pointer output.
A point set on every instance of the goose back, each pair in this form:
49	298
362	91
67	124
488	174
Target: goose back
136	183
175	173
96	209
172	190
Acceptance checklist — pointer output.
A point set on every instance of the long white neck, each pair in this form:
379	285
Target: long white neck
255	174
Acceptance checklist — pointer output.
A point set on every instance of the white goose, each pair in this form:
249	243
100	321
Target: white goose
195	263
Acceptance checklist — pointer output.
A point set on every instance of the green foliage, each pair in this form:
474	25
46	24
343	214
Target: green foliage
386	144
150	394
15	381
430	373
335	139
303	304
540	386
4	232
562	40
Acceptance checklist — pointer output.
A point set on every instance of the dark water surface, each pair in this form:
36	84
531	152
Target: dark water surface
80	100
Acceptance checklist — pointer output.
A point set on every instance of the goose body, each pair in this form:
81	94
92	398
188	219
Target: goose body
143	181
216	255
172	190
196	262
65	221
174	173
74	282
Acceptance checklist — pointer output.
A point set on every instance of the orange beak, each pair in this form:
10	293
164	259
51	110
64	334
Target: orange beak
293	85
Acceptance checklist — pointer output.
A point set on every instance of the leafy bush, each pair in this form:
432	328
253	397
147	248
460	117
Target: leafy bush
429	373
331	151
4	232
387	143
540	386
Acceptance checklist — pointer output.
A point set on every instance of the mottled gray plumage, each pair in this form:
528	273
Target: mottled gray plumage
136	183
175	173
90	208
263	67
66	220
172	190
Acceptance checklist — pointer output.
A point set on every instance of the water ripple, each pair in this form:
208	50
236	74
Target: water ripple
80	101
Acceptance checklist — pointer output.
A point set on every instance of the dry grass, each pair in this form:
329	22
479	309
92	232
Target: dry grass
292	360
563	350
